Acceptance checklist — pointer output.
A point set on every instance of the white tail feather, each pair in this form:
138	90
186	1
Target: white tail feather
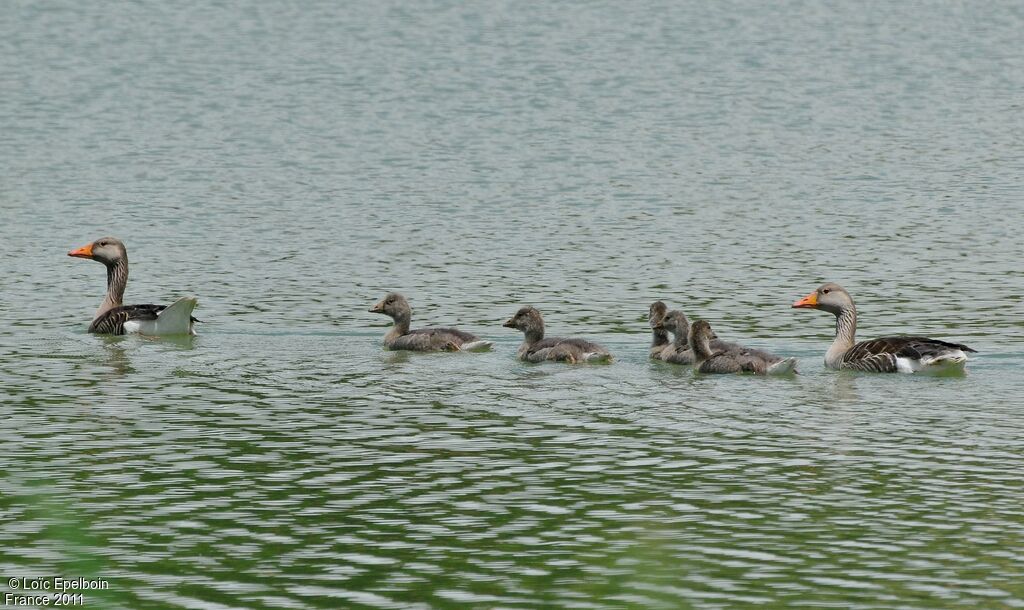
476	346
953	361
945	359
783	367
175	320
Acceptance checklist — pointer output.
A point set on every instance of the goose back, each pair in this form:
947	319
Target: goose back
431	339
563	349
112	321
899	354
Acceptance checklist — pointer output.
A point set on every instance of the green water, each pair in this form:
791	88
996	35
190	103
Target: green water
290	163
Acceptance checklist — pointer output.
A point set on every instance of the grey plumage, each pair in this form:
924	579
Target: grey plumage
676	323
400	337
732	358
879	355
660	344
112	321
562	348
112	315
537	348
882	355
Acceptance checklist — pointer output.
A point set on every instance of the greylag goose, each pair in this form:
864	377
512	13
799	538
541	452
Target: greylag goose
885	355
676	323
536	348
660	345
421	339
114	318
733	358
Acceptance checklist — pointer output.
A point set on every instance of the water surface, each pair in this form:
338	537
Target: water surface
289	164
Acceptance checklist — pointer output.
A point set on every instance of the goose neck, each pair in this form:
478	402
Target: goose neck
117	280
701	349
533	335
846	330
682	340
402	322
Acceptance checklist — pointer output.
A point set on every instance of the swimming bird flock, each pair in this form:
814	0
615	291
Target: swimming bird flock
694	345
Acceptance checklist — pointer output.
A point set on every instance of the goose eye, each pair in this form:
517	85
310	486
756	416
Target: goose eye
826	291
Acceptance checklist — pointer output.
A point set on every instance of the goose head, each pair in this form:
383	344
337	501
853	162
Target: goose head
700	337
107	250
829	297
393	305
656	313
676	323
528	320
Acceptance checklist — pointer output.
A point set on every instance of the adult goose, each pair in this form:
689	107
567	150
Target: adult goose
537	348
421	339
733	358
115	318
660	345
885	355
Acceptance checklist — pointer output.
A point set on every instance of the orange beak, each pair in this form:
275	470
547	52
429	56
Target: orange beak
83	252
810	301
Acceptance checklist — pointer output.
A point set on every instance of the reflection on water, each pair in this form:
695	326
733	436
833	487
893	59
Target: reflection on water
290	164
117	355
399	357
845	388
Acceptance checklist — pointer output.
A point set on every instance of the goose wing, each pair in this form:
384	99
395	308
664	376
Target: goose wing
872	363
432	339
147	319
721	363
683	357
880	355
565	343
758	366
112	321
454	332
904	347
561	348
